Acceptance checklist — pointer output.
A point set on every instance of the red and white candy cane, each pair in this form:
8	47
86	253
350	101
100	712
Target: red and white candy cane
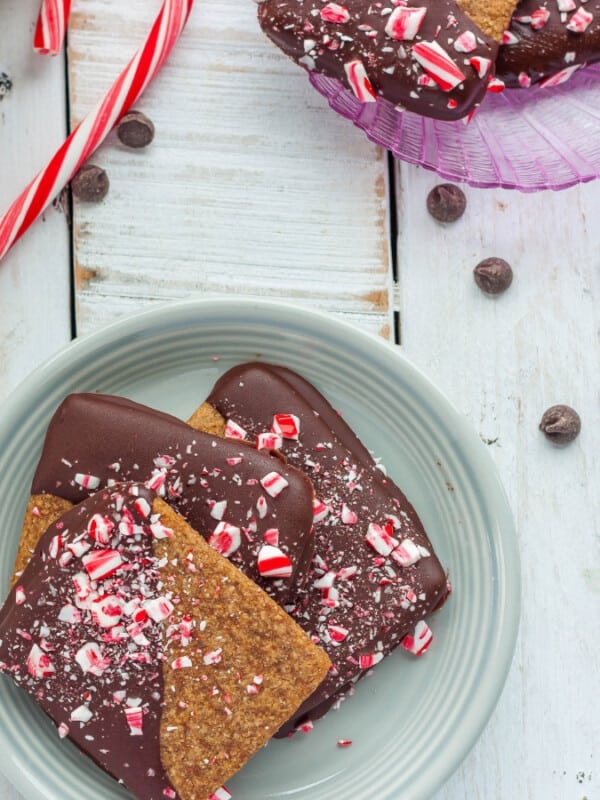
94	128
51	26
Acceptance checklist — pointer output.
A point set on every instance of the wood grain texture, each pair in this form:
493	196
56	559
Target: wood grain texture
35	274
503	361
251	186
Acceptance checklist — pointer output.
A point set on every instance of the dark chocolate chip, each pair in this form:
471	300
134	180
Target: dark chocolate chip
560	424
493	275
446	202
5	84
90	184
135	130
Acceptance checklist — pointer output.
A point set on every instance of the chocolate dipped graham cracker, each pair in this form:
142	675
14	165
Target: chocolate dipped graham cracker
547	42
433	57
374	576
148	649
235	496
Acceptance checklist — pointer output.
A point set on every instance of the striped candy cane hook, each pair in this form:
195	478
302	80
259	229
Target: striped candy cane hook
94	128
51	26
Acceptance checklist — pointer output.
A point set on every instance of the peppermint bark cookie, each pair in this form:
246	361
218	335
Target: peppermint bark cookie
547	42
139	641
232	494
374	576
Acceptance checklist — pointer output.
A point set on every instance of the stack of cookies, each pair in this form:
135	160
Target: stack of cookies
184	592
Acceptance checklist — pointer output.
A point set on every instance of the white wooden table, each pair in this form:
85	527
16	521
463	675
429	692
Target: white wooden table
253	190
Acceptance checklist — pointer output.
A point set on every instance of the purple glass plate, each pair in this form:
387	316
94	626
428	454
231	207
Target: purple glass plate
530	139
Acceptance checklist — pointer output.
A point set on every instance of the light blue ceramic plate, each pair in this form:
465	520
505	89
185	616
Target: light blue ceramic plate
414	720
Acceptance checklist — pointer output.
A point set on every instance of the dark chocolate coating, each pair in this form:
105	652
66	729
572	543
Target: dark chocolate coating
296	26
539	54
114	439
133	671
373	605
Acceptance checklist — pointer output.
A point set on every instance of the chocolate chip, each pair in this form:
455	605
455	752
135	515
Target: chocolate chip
560	424
90	184
493	275
5	84
446	202
135	130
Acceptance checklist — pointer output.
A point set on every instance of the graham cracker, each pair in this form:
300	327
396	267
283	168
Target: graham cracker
208	420
250	665
42	510
492	16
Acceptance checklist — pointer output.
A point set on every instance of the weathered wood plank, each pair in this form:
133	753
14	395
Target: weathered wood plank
252	185
35	275
503	361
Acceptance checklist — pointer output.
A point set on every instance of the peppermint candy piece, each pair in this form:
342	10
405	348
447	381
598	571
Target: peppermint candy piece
106	611
419	641
81	714
466	42
333	12
158	608
273	562
359	81
495	85
225	539
524	80
213	656
508	37
286	425
368	660
271	536
320	509
404	22
39	664
337	633
269	441
234	431
217	509
539	18
135	718
481	65
348	516
100	528
407	553
90	659
222	793
438	65
86	481
102	563
273	483
580	21
560	77
380	540
183	662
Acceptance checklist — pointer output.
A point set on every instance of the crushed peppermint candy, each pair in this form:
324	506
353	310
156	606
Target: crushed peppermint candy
359	81
405	22
274	483
273	562
225	539
438	65
418	642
